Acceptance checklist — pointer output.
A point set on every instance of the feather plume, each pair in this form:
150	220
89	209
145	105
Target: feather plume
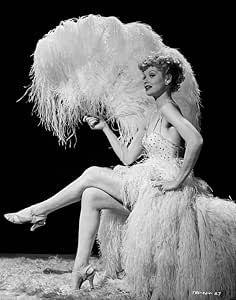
89	66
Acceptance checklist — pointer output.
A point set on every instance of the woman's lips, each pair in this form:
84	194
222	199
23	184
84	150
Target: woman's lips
147	87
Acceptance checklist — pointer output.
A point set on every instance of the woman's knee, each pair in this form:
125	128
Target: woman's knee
91	173
90	196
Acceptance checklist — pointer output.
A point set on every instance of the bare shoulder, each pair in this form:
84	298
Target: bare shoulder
171	118
176	123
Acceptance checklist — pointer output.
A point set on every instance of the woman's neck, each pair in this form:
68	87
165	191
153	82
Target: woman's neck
165	97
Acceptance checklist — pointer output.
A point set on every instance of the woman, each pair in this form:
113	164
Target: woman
177	233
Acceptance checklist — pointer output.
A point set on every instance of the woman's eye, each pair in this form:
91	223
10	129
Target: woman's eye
152	75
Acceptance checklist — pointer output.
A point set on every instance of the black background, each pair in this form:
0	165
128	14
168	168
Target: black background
34	166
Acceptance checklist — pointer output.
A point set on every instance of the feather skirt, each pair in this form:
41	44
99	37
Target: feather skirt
174	246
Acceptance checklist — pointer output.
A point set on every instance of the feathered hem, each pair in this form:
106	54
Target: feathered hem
174	244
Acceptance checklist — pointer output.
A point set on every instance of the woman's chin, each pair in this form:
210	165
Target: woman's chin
149	93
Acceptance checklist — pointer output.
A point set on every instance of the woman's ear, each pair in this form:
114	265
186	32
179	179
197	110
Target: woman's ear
168	79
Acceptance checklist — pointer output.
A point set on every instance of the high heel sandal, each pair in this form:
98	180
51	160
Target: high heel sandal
27	215
87	273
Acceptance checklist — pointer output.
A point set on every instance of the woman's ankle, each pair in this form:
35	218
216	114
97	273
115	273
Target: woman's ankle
38	211
80	265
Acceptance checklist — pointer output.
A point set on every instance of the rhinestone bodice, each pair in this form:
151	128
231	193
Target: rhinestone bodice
157	146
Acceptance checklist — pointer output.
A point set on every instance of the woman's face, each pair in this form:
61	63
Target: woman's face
154	82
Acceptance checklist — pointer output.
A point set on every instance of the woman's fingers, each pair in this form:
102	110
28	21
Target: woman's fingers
159	185
91	120
169	185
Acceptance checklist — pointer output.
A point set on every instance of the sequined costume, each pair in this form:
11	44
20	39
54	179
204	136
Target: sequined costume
175	243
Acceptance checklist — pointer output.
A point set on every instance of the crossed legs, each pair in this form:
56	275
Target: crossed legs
99	189
102	179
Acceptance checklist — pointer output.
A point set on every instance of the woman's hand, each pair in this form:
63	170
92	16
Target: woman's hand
166	185
95	123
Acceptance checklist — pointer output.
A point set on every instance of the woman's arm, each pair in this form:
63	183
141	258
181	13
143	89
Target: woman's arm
126	154
193	140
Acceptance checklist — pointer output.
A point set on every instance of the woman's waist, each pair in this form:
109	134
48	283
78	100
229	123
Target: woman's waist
168	160
148	166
